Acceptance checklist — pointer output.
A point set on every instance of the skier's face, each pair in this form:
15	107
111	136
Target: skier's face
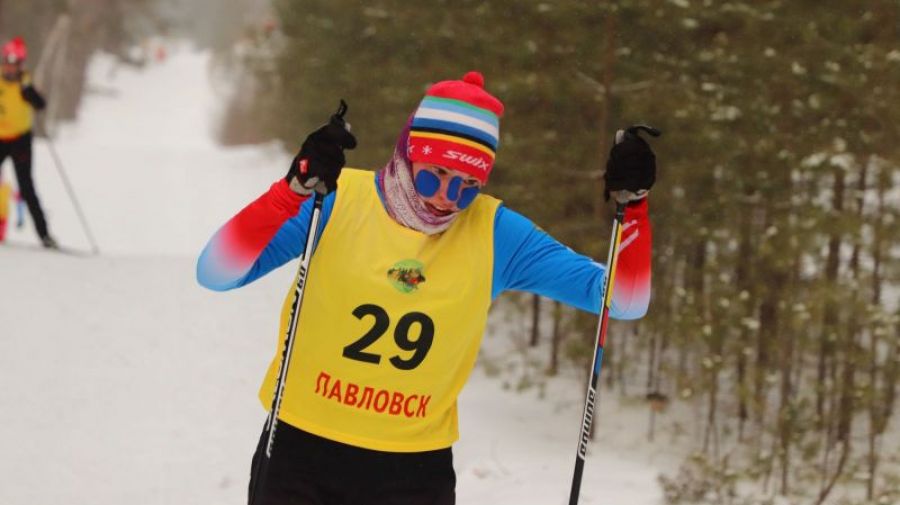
444	190
11	71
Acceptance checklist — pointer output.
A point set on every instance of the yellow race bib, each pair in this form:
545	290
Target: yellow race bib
390	325
16	114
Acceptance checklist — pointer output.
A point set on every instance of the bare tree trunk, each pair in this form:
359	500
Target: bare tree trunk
829	323
842	405
876	413
845	454
852	350
624	357
742	279
711	406
768	333
882	404
872	461
741	387
610	359
651	390
535	320
825	367
767	315
556	339
786	421
847	402
651	362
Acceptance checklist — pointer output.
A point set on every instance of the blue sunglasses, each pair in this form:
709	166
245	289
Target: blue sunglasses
428	184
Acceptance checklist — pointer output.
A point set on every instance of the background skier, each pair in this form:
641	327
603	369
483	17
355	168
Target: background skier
367	419
18	100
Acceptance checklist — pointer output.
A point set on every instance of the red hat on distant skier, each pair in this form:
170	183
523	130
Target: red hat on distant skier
14	51
457	125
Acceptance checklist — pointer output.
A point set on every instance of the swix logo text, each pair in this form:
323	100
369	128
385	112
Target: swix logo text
476	161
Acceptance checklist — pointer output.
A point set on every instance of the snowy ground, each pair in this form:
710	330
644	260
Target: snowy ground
124	382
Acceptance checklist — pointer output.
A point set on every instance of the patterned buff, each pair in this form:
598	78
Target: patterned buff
401	199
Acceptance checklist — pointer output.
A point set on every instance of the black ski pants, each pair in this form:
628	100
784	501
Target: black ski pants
20	151
309	470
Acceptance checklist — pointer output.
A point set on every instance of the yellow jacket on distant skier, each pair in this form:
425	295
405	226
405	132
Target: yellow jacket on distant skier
16	113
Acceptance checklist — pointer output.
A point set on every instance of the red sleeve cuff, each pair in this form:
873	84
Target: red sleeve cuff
285	198
637	209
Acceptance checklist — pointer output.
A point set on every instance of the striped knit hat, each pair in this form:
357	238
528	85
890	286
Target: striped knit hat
457	126
14	51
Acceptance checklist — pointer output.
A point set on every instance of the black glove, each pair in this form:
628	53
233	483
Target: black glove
321	158
31	95
631	167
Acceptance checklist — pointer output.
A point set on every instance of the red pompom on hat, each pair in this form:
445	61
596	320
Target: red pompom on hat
15	50
457	125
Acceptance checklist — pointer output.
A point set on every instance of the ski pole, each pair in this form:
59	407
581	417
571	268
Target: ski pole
590	399
261	469
68	185
299	289
612	261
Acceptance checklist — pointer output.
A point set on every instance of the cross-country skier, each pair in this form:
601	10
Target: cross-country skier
18	99
408	262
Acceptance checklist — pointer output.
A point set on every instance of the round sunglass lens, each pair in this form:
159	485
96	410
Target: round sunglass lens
427	184
466	196
453	188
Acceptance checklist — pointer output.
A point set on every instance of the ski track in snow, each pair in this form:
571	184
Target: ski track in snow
126	382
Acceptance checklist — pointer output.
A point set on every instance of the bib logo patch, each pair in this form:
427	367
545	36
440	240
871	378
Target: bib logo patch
406	275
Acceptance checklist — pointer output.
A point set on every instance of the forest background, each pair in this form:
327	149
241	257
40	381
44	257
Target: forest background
775	295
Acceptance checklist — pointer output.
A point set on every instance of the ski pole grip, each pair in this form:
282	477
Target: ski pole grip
342	109
634	129
340	129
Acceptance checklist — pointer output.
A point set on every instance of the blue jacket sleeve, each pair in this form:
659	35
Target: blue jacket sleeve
528	259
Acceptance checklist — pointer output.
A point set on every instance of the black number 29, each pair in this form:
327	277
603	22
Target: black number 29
420	346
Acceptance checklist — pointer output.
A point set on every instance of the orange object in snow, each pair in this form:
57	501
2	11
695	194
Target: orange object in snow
5	197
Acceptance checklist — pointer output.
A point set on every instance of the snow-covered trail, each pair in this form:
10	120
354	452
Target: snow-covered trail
123	381
143	163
